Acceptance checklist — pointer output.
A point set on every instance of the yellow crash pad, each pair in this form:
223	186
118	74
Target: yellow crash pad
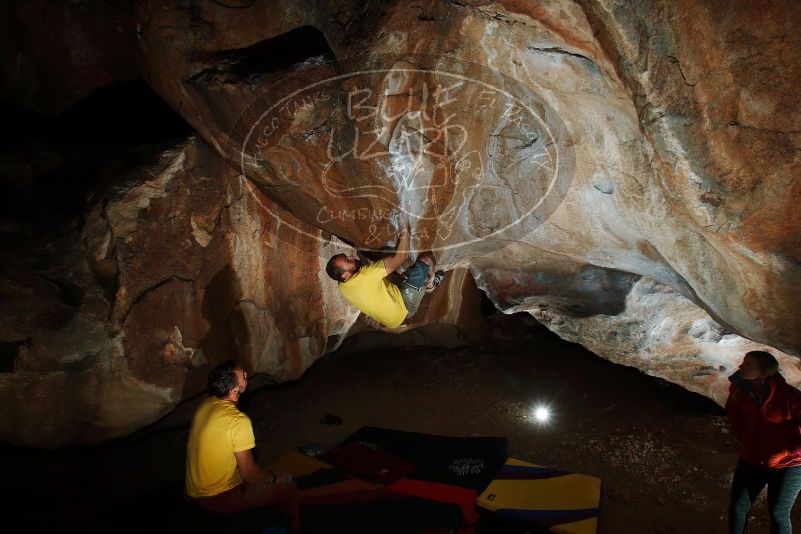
565	503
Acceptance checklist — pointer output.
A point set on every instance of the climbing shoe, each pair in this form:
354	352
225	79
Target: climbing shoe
438	278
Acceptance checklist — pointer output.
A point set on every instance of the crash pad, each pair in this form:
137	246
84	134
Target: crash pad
562	502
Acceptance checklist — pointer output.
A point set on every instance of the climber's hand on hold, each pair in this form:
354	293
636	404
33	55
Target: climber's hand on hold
403	220
392	263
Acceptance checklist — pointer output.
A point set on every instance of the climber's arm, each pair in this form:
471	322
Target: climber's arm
391	263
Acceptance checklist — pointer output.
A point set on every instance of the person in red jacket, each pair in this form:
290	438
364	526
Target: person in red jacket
765	415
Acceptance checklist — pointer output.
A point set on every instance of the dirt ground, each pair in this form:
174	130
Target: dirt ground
665	455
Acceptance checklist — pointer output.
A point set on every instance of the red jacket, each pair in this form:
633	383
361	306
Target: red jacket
769	435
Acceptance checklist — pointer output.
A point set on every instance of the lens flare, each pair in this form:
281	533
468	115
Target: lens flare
542	414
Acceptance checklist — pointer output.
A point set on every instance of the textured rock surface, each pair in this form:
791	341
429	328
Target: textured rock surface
715	86
653	328
626	172
648	194
180	263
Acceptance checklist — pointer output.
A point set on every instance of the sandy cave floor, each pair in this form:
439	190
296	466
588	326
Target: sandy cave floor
665	455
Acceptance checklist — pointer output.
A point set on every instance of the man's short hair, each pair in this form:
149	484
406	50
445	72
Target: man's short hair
222	379
767	362
334	267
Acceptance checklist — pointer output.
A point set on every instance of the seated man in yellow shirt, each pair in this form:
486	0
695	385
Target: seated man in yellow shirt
221	474
367	288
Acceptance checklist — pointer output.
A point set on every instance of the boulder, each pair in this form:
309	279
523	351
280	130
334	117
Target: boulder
179	265
625	172
631	140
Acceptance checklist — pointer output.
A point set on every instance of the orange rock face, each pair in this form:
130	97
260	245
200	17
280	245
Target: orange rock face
669	158
716	97
183	263
626	173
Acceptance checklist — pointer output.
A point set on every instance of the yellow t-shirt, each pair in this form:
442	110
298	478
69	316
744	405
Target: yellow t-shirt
218	430
371	292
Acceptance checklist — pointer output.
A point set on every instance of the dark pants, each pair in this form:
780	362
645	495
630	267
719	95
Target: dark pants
246	496
749	480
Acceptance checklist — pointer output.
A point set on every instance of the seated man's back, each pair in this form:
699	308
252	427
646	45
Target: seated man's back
218	430
221	474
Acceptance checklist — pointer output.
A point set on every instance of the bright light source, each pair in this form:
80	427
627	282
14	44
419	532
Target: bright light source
542	414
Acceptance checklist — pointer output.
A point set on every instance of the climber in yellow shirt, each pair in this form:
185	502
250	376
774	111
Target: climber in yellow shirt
367	288
221	474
